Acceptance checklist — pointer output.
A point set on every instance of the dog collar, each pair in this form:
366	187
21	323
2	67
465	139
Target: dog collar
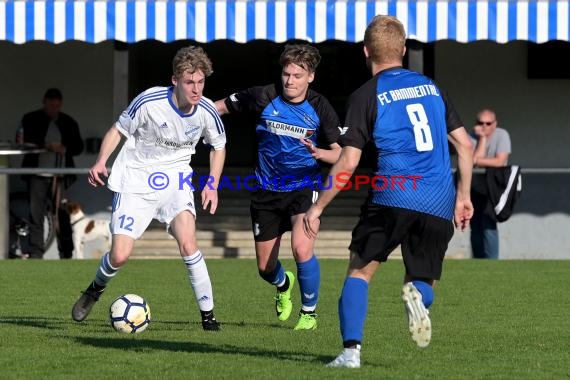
77	221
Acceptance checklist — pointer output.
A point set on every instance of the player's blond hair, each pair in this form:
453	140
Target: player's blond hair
306	56
385	39
191	59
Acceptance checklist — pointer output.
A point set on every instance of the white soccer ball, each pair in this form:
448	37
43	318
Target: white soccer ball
130	314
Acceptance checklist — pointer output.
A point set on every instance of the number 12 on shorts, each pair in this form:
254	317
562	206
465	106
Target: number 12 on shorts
126	222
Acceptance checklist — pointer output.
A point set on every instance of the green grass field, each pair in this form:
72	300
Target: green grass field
491	320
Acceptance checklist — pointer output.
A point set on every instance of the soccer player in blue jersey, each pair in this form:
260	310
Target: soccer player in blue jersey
410	121
296	129
162	127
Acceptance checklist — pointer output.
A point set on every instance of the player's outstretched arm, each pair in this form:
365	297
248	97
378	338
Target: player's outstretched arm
346	164
221	106
330	156
463	206
210	191
108	145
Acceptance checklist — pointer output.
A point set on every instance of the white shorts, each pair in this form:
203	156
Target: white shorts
133	212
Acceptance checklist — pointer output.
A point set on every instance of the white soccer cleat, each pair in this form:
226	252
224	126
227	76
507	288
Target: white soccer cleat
418	316
349	358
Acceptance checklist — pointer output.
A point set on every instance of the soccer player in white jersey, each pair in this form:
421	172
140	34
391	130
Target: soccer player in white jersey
162	127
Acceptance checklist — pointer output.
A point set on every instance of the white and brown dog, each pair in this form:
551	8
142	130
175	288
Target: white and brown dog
86	229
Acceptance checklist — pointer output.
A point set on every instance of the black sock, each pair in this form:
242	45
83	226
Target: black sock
285	286
207	315
351	343
308	312
96	287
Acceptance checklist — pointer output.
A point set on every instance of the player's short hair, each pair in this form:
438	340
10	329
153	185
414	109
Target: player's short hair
385	39
53	93
191	59
306	56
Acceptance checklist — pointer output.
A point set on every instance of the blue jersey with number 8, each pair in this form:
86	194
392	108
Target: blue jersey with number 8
408	118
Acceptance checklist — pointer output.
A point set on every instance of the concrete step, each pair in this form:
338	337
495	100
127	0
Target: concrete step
206	222
237	244
163	252
236	198
239	210
236	235
228	232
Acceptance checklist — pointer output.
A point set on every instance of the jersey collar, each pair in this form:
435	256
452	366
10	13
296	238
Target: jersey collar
175	107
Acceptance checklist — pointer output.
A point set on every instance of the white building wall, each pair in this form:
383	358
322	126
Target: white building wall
83	72
537	115
476	75
535	112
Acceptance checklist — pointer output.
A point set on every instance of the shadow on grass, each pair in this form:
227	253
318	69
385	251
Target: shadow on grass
49	323
182	325
44	322
127	343
201	347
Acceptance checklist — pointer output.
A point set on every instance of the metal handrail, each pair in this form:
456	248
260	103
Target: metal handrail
45	170
546	170
86	170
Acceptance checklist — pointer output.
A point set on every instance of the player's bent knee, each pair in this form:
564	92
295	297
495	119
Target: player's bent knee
188	248
119	259
302	253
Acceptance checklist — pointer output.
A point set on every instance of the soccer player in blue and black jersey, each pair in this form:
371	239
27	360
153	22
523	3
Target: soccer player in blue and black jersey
296	129
413	200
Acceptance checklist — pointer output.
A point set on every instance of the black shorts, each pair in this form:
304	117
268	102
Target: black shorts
271	211
424	238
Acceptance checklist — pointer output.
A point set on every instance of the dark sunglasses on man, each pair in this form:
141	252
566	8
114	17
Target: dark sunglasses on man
487	123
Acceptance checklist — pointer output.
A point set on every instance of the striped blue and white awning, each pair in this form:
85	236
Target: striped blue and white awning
279	20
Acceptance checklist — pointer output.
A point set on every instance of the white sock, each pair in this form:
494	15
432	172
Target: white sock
200	280
308	309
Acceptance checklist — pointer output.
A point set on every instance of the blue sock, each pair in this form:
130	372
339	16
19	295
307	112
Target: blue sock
352	308
276	277
309	274
426	291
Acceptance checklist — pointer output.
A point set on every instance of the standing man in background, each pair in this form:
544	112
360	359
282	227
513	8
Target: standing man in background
58	133
492	150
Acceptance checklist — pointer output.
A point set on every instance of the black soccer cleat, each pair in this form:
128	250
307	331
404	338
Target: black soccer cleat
209	322
84	304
